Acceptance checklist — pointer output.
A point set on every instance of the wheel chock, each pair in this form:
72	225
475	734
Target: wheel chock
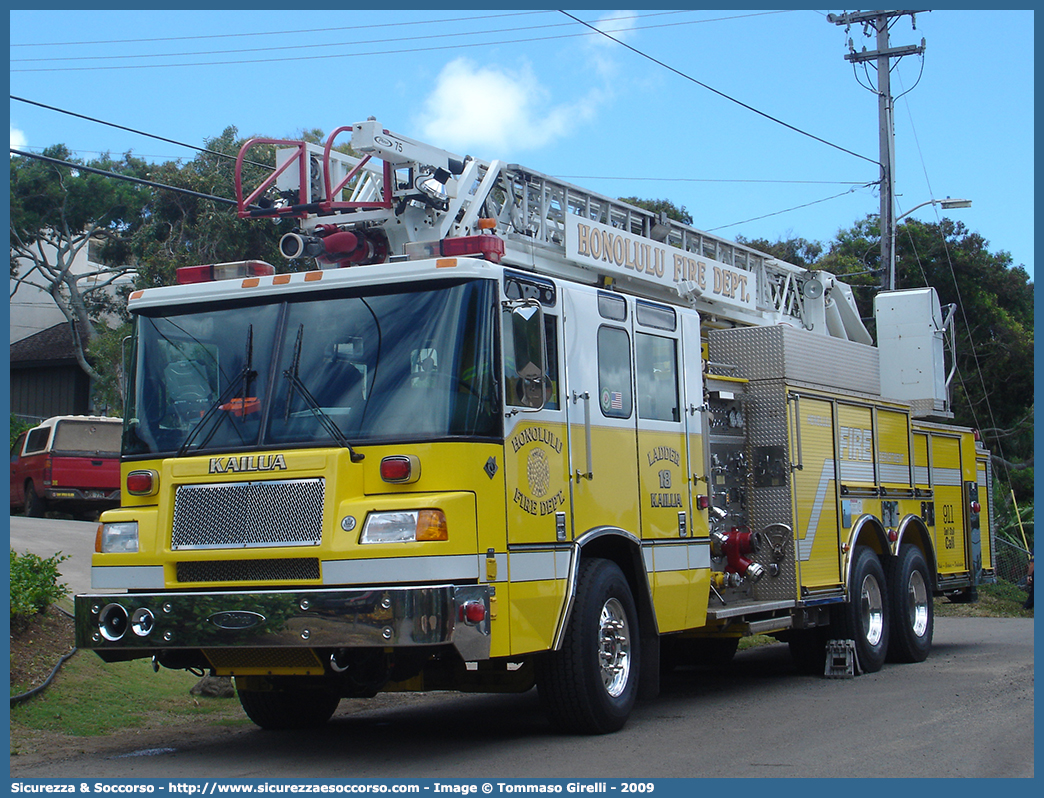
840	659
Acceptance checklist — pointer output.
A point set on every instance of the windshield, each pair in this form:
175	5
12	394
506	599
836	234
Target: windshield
409	363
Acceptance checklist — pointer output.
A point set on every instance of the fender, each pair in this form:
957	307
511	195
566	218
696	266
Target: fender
913	532
605	539
867	530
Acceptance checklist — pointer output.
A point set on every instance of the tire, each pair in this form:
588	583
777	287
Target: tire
35	506
865	617
284	706
590	685
911	606
808	650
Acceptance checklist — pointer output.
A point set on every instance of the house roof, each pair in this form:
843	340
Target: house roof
53	345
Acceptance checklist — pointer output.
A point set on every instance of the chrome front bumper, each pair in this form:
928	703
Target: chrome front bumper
321	618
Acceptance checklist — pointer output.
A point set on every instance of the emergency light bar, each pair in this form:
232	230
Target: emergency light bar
488	247
187	275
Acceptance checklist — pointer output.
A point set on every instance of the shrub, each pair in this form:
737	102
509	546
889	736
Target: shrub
34	584
18	426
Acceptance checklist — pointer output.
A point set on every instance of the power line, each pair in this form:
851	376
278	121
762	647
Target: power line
719	93
131	130
104	173
411	50
715	180
283	32
788	210
270	49
563	177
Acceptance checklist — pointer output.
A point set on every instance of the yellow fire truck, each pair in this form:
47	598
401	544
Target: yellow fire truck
532	436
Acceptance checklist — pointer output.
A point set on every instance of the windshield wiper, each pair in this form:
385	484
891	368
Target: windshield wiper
245	376
291	374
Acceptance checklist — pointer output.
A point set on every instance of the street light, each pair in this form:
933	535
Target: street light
947	204
888	236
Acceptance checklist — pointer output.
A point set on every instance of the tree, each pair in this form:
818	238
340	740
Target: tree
59	213
661	205
798	251
185	230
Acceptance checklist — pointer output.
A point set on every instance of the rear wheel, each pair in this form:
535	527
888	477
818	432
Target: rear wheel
912	608
865	617
284	705
35	506
591	683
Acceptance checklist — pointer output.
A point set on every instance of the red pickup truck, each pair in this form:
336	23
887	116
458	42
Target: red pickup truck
67	463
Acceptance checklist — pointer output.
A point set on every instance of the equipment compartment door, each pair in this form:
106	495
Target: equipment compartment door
816	521
949	504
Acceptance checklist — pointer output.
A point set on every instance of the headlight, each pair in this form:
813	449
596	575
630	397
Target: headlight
118	538
404	526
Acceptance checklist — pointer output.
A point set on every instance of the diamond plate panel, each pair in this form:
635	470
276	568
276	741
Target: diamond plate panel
248	514
798	357
767	504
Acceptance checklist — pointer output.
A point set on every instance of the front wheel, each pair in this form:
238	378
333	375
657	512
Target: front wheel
912	608
284	705
590	685
865	617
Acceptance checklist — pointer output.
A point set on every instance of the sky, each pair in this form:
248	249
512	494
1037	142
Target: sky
537	88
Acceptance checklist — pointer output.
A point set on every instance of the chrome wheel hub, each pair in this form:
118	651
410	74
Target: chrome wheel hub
614	647
917	604
871	605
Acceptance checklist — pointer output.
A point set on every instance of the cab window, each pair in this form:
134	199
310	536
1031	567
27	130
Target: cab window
657	366
614	372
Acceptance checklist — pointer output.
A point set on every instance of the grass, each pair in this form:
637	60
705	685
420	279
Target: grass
1002	600
90	697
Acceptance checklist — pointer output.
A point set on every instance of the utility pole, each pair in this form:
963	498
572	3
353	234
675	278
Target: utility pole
879	21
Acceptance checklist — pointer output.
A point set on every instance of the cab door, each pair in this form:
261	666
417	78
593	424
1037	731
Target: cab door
533	576
661	428
663	466
602	411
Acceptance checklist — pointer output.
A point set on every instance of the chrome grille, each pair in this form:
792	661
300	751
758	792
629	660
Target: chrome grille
248	514
282	570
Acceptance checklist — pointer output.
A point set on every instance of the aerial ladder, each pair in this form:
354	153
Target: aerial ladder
390	196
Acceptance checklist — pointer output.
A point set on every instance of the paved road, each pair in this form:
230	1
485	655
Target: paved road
966	712
46	537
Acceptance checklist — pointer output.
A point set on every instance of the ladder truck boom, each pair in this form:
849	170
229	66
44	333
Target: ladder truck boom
396	193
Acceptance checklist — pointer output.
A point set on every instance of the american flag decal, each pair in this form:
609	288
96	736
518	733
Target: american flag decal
616	400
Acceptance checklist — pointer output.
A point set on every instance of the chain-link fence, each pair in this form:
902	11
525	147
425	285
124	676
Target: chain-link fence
1011	562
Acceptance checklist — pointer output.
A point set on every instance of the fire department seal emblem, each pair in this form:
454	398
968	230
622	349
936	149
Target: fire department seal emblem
538	469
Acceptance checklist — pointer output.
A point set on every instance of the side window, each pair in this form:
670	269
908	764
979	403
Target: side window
17	448
37	440
526	393
657	366
614	372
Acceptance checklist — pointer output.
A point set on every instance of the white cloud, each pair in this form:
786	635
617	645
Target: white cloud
491	110
18	139
618	24
601	51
